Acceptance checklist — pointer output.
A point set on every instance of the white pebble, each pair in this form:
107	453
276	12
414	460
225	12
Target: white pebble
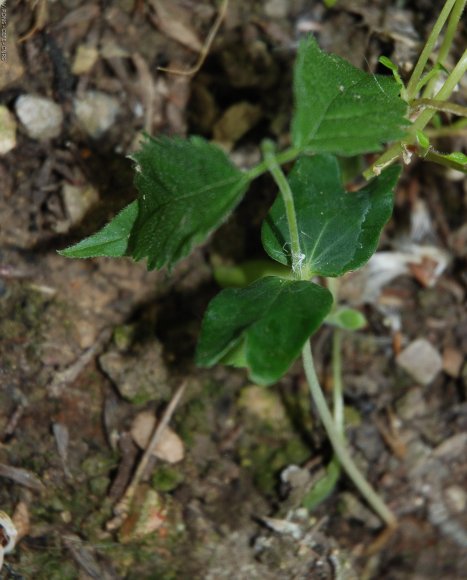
41	117
96	112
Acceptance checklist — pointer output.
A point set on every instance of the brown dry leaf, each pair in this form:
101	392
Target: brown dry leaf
175	22
170	448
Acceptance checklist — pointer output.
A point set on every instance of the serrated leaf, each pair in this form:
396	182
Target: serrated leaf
187	188
339	231
110	241
273	317
341	109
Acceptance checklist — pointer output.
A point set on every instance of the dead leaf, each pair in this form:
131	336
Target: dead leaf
175	22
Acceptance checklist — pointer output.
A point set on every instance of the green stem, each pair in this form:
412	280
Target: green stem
338	443
451	30
422	120
428	48
283	157
273	166
337	387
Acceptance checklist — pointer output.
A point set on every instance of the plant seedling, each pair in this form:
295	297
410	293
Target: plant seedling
315	228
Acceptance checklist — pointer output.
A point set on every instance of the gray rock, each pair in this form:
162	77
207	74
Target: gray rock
421	361
96	112
41	117
139	376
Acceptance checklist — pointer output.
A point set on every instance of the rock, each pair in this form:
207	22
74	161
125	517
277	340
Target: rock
41	117
453	360
78	199
140	376
276	8
421	361
7	131
96	112
170	447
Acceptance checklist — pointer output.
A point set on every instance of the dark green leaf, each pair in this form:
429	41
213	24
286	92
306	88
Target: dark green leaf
187	188
272	318
110	241
341	109
339	231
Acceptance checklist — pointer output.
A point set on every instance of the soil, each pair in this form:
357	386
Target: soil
86	346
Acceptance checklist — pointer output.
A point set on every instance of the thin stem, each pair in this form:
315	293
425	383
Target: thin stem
428	48
337	387
338	444
423	119
283	157
286	193
448	39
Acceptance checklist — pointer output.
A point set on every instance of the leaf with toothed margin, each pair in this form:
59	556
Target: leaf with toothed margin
187	189
110	241
341	109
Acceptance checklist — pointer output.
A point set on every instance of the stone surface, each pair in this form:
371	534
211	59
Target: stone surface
96	112
421	361
77	200
7	131
41	117
170	447
140	376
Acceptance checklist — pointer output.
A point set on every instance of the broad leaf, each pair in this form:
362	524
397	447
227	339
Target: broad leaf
263	326
339	231
110	241
341	109
187	188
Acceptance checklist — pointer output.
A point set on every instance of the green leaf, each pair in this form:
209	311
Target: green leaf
341	109
423	140
245	273
187	188
273	317
339	231
457	157
346	318
110	241
323	488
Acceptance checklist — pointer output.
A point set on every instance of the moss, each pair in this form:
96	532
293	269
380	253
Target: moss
166	479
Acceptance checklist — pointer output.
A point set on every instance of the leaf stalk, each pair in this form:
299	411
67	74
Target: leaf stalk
339	445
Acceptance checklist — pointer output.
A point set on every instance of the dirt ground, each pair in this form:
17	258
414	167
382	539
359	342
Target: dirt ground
86	347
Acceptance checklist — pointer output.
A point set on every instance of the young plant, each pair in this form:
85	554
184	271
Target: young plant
315	228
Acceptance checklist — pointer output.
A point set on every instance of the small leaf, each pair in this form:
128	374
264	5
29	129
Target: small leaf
264	325
110	241
187	188
338	231
423	140
341	109
387	62
247	272
323	488
347	318
457	157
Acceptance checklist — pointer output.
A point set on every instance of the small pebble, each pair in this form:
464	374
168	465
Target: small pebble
7	131
421	361
96	112
41	117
